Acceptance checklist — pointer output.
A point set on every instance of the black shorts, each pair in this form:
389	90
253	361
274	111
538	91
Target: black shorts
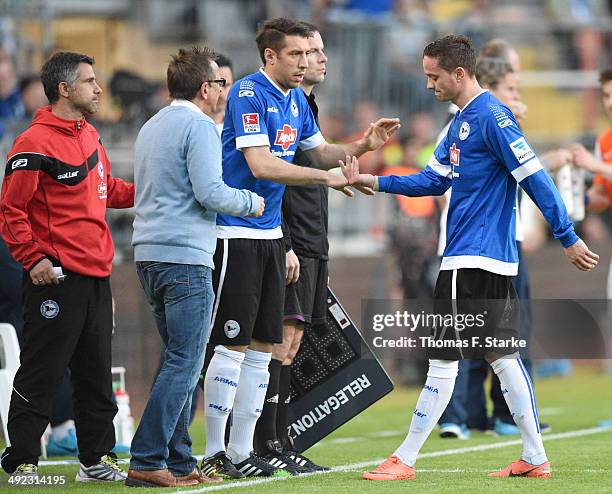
306	299
481	315
249	285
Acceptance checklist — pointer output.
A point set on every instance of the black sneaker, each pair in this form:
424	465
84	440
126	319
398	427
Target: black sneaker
277	458
219	464
258	466
305	463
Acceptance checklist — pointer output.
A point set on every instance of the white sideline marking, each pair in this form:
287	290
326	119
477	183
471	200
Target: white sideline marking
433	454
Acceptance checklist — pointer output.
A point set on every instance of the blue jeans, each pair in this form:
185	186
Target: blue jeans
181	297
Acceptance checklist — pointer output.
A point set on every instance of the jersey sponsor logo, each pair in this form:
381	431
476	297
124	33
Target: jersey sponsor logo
101	170
294	108
505	123
231	328
286	137
464	131
420	414
272	109
246	92
66	175
20	163
250	122
521	150
49	309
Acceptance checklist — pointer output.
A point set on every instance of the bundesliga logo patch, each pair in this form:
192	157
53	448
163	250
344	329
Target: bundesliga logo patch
250	122
286	137
454	155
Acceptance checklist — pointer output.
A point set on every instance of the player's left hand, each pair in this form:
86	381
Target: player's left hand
292	267
581	257
379	132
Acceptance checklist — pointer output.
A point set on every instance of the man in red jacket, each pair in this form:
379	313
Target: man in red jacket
56	189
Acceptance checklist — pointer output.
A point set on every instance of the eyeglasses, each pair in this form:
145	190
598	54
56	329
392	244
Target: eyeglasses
221	82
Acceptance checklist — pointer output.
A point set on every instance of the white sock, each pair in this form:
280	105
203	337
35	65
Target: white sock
518	392
60	431
248	404
220	385
432	402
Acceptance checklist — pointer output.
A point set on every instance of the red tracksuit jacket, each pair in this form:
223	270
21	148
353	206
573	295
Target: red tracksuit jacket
56	189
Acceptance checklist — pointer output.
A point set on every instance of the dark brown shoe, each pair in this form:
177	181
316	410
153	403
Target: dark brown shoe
201	478
156	478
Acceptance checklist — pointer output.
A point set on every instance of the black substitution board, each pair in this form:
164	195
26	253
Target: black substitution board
334	377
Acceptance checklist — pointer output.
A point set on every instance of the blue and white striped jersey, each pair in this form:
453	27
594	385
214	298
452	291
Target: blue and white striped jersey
483	156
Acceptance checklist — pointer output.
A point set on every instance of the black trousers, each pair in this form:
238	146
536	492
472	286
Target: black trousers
68	325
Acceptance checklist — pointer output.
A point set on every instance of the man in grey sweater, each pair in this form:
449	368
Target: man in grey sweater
179	190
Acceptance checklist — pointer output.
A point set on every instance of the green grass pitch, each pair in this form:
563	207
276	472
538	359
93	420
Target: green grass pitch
581	453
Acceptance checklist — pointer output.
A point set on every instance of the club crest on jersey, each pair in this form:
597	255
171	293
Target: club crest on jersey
49	309
454	155
231	328
250	122
464	131
286	137
294	108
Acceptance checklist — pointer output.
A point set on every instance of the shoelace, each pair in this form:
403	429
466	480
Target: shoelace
111	462
26	468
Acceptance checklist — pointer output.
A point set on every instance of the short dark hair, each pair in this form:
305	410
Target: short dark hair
491	70
63	66
272	34
605	76
223	61
453	51
188	70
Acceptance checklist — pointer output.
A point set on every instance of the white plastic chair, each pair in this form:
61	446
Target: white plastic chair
10	348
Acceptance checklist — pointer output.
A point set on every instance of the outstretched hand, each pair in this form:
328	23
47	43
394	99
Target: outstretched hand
379	132
364	183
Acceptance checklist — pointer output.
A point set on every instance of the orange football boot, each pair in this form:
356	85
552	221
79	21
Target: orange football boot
391	469
521	468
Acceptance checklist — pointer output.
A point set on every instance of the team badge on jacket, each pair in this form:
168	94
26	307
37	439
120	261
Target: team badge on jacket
49	309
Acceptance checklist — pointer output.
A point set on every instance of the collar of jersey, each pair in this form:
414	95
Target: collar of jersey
276	86
472	99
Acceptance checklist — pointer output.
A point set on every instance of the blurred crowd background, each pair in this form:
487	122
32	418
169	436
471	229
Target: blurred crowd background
374	68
